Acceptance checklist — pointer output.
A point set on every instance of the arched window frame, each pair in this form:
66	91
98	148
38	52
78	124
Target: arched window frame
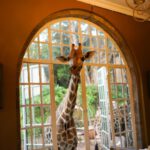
133	74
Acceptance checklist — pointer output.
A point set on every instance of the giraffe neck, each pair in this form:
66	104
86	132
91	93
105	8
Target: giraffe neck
72	93
67	106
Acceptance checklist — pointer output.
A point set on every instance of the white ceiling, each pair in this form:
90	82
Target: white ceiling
120	2
117	5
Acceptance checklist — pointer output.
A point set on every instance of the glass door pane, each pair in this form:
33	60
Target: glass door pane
98	107
121	108
104	108
93	106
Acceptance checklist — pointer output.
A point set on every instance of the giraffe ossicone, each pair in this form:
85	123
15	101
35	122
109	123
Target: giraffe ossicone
66	130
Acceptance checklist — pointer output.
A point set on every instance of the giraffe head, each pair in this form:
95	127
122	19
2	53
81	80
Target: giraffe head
76	59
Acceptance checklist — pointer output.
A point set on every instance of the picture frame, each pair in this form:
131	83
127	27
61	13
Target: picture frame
1	86
148	83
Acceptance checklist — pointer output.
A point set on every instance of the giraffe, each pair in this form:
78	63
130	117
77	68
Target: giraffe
66	131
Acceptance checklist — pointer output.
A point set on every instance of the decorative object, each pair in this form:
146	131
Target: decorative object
139	7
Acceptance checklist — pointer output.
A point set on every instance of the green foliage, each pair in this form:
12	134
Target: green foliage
60	91
37	114
92	99
46	94
62	75
120	92
44	51
92	94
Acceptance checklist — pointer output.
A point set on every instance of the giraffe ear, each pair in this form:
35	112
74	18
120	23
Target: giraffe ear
63	58
88	55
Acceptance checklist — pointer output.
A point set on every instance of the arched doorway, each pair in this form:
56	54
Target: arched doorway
105	100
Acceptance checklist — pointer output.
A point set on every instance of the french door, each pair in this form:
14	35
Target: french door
104	108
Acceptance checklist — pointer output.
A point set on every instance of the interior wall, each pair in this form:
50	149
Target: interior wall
19	18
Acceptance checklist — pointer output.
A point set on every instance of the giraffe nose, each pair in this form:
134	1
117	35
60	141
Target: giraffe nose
75	69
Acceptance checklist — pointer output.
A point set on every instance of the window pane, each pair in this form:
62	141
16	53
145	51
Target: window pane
66	50
74	26
118	75
24	95
61	78
65	25
26	139
102	57
56	51
66	38
111	45
45	94
114	58
117	58
75	39
46	113
36	115
23	138
93	31
119	91
86	41
112	75
100	33
55	26
25	116
114	91
96	58
45	73
55	37
24	73
124	76
126	91
44	50
43	36
35	94
84	28
101	42
94	42
34	73
34	51
111	58
37	138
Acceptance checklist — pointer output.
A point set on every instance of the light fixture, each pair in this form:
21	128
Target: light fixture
139	7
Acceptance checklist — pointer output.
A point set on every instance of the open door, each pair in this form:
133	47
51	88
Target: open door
104	108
